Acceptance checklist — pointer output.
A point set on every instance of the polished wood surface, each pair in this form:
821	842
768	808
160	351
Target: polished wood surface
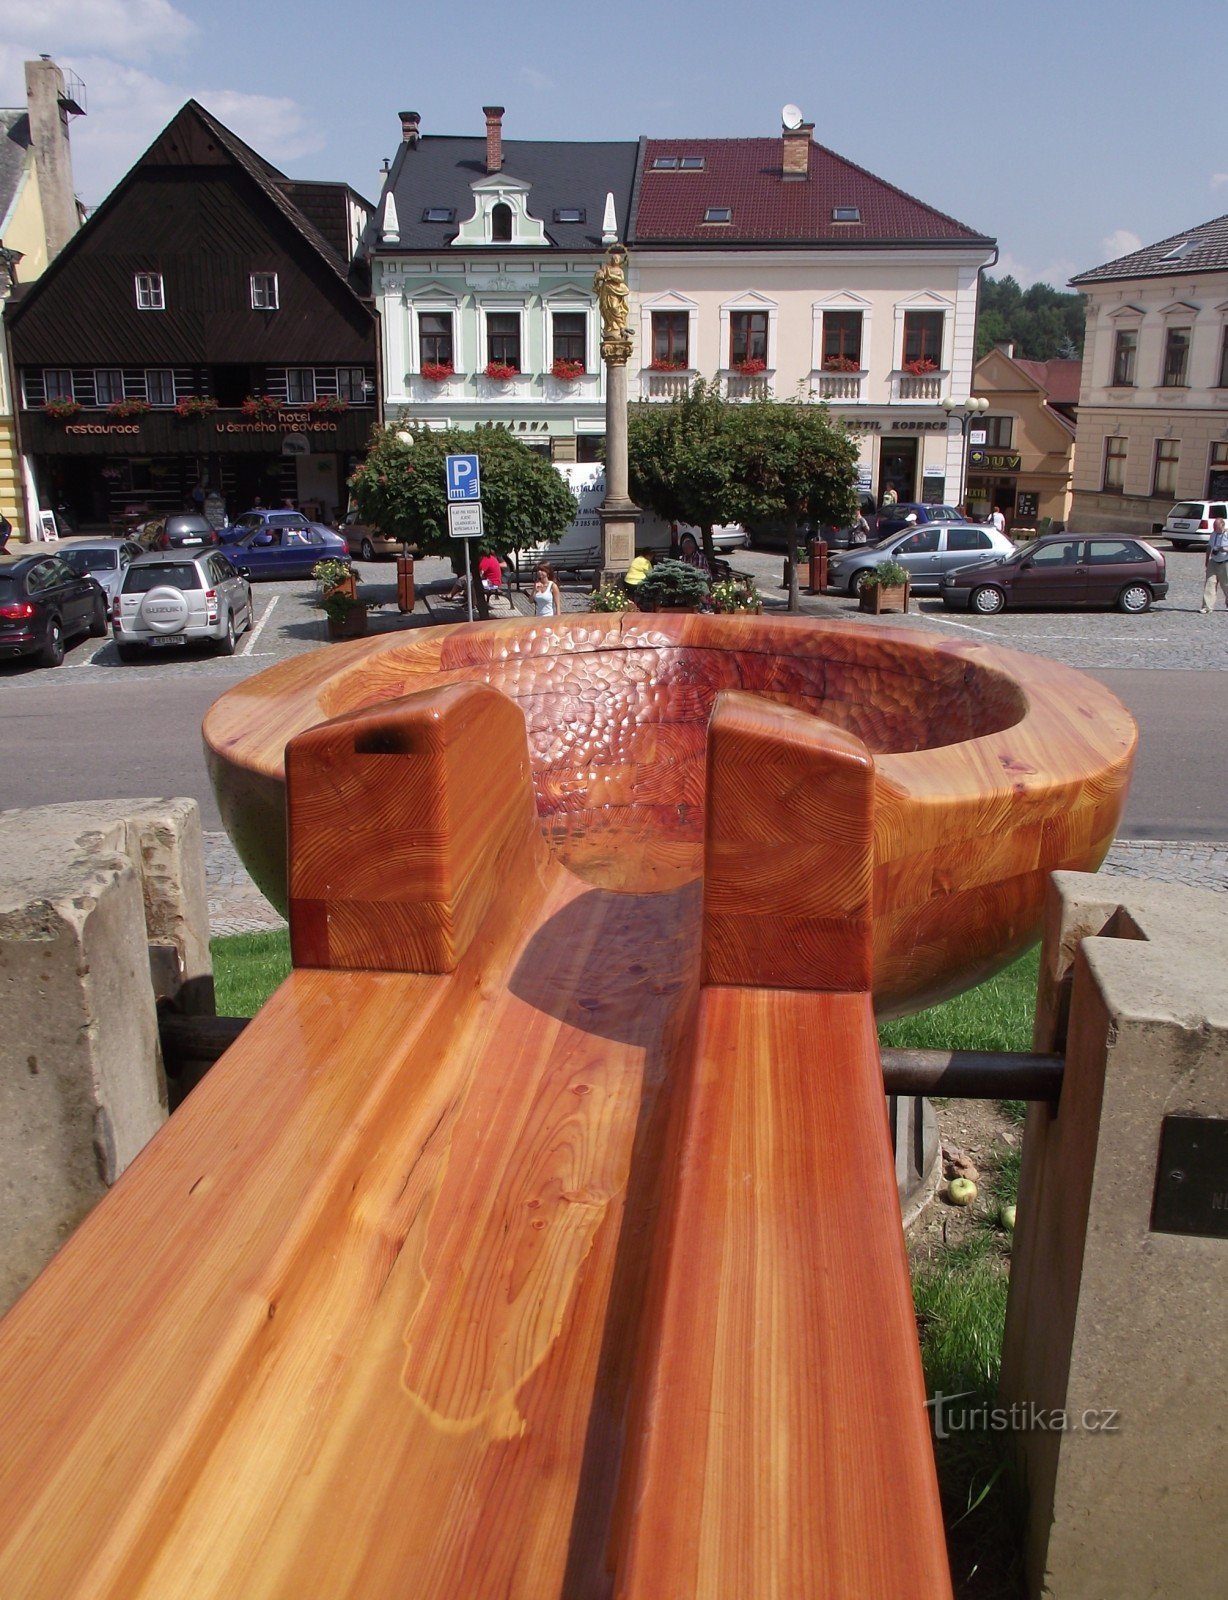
539	1238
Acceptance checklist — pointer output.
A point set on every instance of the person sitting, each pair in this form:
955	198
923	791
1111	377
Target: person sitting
490	571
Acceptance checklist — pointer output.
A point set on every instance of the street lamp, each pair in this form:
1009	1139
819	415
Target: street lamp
967	411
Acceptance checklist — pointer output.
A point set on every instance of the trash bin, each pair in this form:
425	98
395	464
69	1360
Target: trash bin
818	566
405	584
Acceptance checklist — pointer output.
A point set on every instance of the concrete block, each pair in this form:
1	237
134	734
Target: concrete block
86	891
1107	1317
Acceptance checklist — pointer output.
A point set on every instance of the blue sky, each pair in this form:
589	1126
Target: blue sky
1071	132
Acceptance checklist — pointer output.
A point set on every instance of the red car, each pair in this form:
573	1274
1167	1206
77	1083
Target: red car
1062	569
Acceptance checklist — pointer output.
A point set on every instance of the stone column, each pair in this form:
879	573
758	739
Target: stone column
619	513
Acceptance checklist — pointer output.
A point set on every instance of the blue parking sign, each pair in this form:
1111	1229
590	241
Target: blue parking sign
462	478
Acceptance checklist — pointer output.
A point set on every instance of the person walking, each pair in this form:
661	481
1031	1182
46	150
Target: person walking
1217	566
997	521
547	602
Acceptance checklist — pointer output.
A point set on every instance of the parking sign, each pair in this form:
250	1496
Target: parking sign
462	478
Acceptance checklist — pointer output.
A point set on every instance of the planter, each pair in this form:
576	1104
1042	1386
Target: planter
353	625
347	585
879	597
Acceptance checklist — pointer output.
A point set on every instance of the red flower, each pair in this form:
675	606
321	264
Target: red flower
666	364
567	370
501	370
437	371
840	364
920	367
751	368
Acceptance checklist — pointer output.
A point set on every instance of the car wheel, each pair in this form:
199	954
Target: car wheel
367	551
98	622
987	600
52	652
1180	544
128	653
1135	597
226	644
859	580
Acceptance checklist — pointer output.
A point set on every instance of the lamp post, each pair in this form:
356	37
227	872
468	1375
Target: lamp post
966	411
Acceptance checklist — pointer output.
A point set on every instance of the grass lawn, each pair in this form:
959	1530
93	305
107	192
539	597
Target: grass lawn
959	1293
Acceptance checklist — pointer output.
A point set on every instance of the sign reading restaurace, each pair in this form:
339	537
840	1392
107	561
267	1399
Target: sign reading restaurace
465	521
462	477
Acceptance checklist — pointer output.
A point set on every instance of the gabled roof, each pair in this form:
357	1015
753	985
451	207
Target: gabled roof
766	208
439	170
1058	378
14	143
1200	249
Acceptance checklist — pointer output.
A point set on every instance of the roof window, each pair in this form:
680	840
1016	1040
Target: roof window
439	214
665	163
718	214
692	163
1181	248
846	214
570	214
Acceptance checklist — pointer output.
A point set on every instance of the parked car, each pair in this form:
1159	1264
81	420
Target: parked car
176	598
726	536
892	518
43	602
1188	524
926	553
184	530
1058	570
365	541
281	544
104	560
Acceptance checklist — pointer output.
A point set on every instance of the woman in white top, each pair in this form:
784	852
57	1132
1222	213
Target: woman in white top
547	601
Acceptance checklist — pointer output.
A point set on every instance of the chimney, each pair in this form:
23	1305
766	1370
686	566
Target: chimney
494	137
795	162
409	127
51	104
1007	347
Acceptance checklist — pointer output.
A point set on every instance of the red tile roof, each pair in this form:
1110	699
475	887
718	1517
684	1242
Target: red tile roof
745	174
1059	379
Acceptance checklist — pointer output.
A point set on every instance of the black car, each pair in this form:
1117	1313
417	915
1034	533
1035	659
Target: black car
42	603
186	530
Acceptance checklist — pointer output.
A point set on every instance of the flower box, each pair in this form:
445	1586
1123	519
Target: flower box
195	405
841	364
62	409
261	406
661	365
501	371
129	408
877	598
921	368
331	405
567	371
437	371
751	368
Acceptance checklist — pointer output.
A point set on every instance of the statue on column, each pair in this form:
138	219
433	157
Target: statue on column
610	287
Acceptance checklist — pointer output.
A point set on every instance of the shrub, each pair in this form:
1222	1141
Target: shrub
888	574
331	571
610	597
672	583
736	594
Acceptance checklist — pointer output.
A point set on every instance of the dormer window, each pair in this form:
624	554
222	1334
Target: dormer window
569	214
718	214
1181	248
501	223
691	164
439	214
846	214
149	293
665	163
264	291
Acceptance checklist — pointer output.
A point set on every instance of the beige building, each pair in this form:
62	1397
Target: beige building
38	215
1021	452
1153	402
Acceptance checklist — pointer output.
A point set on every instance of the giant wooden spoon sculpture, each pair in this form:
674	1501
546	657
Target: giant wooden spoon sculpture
540	1236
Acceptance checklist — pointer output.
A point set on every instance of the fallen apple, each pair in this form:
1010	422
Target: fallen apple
1008	1218
961	1191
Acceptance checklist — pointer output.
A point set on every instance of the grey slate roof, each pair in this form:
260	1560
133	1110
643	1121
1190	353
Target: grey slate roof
1207	252
14	142
439	170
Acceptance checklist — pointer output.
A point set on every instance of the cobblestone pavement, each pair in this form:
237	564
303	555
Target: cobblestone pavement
237	906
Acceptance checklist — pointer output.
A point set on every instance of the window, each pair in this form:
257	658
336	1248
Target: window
691	164
968	539
1164	478
670	338
1113	552
160	386
352	385
718	214
435	338
922	543
503	338
842	337
300	386
998	431
748	337
846	214
1057	555
1217	468
570	328
569	213
1176	358
58	383
439	214
923	336
109	386
149	294
264	291
665	163
1223	363
1125	350
501	224
1114	465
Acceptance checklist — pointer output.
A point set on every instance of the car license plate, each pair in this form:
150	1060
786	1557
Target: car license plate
168	638
186	542
1182	526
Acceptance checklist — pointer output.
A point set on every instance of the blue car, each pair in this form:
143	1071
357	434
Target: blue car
280	544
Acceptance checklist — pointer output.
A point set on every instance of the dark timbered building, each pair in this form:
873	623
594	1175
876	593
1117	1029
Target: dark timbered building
209	332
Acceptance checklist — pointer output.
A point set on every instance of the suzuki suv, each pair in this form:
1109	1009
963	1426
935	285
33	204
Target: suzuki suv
171	599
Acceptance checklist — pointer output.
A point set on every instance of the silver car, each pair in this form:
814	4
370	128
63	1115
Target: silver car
104	560
173	598
926	552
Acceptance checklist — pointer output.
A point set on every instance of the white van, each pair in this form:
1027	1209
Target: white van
580	547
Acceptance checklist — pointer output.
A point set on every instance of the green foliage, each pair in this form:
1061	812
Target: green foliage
887	575
736	594
400	488
1043	323
338	603
673	583
678	461
330	572
610	597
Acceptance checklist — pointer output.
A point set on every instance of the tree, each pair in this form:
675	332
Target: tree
1041	322
789	465
678	459
400	487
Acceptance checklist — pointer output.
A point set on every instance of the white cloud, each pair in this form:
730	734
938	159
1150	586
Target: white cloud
1056	273
537	80
128	30
1120	243
1219	179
